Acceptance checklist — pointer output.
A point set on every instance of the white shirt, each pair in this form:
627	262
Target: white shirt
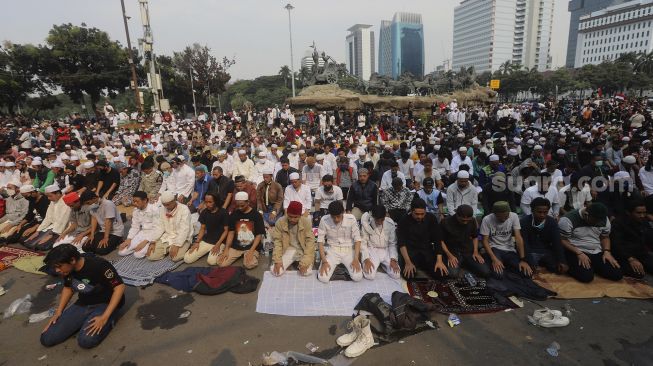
184	180
647	180
326	198
176	230
243	168
441	167
457	161
386	180
259	168
146	222
56	218
407	167
313	176
345	234
303	196
226	165
579	198
533	192
373	236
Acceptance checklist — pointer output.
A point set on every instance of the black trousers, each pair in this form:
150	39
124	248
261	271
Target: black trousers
647	261
603	269
94	246
423	259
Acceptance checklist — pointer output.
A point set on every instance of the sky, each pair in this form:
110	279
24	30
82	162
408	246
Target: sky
254	32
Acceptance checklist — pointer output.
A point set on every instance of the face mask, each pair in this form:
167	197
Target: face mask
261	161
540	226
11	192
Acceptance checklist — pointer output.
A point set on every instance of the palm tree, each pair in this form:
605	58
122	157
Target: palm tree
644	63
285	73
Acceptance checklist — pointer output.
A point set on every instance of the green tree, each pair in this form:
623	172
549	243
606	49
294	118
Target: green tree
207	71
284	72
20	67
86	61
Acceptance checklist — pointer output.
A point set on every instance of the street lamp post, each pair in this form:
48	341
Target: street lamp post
292	63
192	88
137	98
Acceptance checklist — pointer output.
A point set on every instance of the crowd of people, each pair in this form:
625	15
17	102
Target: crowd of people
482	188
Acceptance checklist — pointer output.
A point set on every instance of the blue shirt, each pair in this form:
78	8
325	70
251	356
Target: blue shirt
201	187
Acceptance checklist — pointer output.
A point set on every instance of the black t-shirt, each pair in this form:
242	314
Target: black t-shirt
91	180
458	237
109	178
215	223
246	227
78	181
222	187
94	283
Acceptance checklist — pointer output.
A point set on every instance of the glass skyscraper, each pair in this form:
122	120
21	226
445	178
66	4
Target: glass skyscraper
401	45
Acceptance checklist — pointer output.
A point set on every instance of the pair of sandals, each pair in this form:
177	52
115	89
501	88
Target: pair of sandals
548	318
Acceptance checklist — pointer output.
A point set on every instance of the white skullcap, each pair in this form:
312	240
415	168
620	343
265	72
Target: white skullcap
513	152
626	139
241	196
2	163
10	164
537	147
302	151
262	154
319	157
293	146
530	142
57	164
52	188
167	197
494	157
181	157
15	183
517	140
268	171
629	159
646	142
36	162
222	152
294	176
27	188
462	148
361	153
241	152
463	174
561	151
88	165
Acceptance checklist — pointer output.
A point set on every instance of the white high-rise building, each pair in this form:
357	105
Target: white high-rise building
359	55
606	34
487	33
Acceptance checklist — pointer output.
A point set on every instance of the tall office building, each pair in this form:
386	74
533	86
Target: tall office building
487	33
578	8
401	45
606	34
360	51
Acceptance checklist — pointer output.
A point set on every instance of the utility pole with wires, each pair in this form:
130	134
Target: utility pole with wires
154	79
137	96
289	7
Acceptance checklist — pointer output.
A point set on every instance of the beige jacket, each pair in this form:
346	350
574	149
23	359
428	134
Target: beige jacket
281	238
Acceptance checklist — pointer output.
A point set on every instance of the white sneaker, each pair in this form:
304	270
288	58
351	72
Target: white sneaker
363	342
553	321
542	313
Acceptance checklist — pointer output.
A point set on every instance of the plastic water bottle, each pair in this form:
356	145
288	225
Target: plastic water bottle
470	279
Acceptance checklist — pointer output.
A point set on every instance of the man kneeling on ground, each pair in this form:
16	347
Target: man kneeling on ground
379	243
340	231
100	296
293	241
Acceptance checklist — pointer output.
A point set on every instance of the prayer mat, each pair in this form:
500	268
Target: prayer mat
569	288
142	272
295	295
8	255
455	296
30	264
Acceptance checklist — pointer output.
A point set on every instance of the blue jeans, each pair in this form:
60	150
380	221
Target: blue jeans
509	259
75	319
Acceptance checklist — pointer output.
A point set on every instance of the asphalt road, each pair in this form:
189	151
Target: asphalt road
225	330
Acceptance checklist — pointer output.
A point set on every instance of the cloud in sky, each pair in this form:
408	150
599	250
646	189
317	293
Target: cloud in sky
255	32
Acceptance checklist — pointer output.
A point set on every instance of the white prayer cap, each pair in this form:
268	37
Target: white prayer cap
88	165
36	162
167	197
2	164
181	157
494	157
293	146
52	188
621	175
646	142
116	159
513	152
463	174
64	156
241	196
27	188
537	147
319	157
361	153
14	182
462	148
57	164
241	152
262	154
629	160
10	164
530	142
517	140
294	176
268	171
302	151
222	152
561	151
626	139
